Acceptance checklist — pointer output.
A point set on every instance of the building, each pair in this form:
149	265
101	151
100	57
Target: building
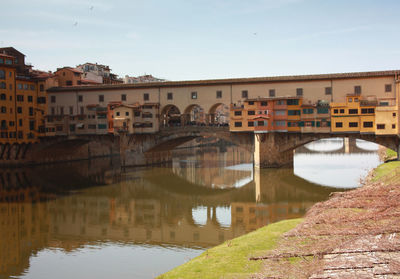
99	73
136	118
141	79
23	98
68	76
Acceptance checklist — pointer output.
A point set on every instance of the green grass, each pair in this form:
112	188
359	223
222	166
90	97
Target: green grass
390	153
386	171
230	259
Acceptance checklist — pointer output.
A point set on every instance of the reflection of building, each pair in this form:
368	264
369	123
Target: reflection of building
204	168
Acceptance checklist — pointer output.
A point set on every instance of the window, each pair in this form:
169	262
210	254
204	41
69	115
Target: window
53	111
339	124
272	92
368	124
350	100
117	113
245	94
20	135
30	111
394	114
82	110
308	111
20	98
102	126
264	103
238	124
299	92
20	122
80	98
31	125
3	85
280	112
137	113
146	96
341	111
238	113
1	60
101	98
251	112
388	88
260	123
393	126
92	126
280	123
52	99
8	61
383	104
170	96
353	124
328	90
293	112
322	110
41	88
126	113
357	89
3	110
355	100
26	87
19	109
123	97
194	95
71	110
69	82
2	96
367	110
250	124
293	102
2	74
251	103
353	111
219	94
30	99
147	115
380	126
19	86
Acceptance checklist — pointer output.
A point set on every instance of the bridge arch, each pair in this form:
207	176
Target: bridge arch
194	115
170	116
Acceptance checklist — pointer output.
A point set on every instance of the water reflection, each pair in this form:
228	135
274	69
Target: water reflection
91	219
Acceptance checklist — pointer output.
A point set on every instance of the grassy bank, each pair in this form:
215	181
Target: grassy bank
230	259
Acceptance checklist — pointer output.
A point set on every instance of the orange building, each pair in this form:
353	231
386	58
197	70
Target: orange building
23	98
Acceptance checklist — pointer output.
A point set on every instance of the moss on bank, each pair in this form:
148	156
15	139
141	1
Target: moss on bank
230	259
387	173
390	153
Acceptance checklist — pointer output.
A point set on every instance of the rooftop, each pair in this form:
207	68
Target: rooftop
231	81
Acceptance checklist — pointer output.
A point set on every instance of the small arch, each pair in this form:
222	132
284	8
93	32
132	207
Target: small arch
218	114
170	116
194	115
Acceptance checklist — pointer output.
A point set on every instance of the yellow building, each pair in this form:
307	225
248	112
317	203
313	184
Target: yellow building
294	114
23	98
356	115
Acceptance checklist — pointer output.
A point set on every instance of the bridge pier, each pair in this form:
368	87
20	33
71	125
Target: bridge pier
268	152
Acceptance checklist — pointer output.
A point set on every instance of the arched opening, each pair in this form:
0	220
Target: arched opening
218	115
194	115
170	116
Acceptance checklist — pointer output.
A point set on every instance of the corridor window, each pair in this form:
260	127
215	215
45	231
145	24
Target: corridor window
193	95
146	96
219	94
169	96
328	90
357	89
245	94
388	88
123	97
101	98
299	92
272	92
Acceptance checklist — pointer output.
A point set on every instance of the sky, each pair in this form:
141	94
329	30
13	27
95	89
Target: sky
206	39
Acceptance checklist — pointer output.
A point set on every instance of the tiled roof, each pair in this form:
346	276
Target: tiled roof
231	81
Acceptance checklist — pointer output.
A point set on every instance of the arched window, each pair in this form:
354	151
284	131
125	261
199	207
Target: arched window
2	85
2	74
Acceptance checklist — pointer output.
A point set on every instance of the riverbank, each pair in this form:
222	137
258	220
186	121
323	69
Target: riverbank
352	235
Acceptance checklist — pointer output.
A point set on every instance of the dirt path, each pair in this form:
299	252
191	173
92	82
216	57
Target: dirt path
355	234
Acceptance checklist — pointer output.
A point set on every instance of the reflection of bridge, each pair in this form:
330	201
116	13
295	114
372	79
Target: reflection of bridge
149	206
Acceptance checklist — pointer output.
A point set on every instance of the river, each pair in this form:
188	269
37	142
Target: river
89	219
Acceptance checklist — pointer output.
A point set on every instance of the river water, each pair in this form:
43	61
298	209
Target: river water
89	219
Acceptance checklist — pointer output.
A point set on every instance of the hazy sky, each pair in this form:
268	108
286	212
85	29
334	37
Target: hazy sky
206	39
